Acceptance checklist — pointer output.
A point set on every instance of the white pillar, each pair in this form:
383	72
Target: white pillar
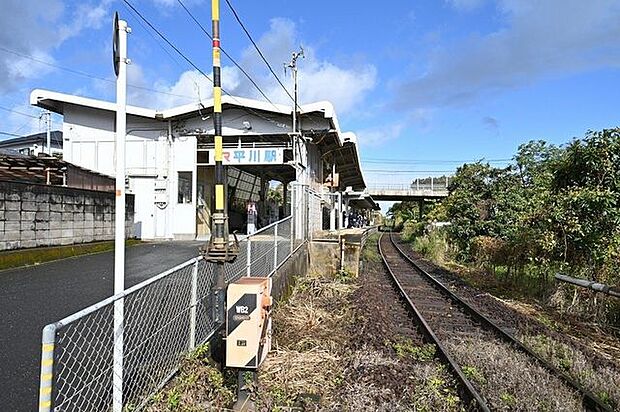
340	210
119	227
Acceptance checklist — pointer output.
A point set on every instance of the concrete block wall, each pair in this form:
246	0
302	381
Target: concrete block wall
34	215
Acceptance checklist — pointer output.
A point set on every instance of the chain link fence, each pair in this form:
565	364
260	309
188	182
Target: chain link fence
164	317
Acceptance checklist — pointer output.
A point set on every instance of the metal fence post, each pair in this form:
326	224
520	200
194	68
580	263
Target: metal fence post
248	268
192	307
275	247
47	368
294	217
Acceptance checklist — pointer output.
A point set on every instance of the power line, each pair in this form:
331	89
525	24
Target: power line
10	134
247	75
192	63
84	74
179	52
407	171
260	53
16	112
431	161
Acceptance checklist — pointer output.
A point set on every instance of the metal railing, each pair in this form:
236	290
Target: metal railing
165	317
438	184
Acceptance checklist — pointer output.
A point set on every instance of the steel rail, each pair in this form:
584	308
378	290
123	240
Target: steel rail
590	401
470	395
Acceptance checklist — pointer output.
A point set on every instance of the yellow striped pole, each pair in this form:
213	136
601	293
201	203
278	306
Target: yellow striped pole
219	250
217	119
47	368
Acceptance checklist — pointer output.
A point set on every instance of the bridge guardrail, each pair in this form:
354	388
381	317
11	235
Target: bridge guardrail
165	317
427	184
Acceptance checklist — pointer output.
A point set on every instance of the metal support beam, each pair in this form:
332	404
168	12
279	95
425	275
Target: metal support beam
597	287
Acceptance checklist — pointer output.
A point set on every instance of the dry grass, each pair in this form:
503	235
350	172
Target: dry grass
199	386
509	380
603	381
309	338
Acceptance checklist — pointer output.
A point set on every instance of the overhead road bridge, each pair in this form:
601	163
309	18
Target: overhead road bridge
407	192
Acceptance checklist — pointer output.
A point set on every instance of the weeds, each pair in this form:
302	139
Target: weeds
174	398
506	377
405	348
370	252
602	380
199	386
434	246
474	374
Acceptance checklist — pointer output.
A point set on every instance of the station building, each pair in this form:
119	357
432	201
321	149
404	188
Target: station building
170	161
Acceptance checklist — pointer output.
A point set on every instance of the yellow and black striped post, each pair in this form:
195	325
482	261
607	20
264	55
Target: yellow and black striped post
47	368
219	250
218	232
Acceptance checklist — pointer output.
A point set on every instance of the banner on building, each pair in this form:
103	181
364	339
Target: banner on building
249	156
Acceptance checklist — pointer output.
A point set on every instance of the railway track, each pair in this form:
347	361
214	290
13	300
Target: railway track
450	323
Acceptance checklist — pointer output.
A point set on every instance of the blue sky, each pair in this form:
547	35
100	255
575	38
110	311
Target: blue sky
424	83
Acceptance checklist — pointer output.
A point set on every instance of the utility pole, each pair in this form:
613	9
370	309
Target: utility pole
218	251
296	216
293	66
48	127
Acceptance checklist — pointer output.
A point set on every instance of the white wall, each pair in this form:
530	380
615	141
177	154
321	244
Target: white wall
89	141
184	221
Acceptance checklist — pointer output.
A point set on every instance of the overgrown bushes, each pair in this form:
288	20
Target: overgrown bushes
555	209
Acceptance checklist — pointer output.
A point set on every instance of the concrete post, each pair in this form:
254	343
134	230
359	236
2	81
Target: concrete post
275	248
332	212
285	208
340	210
47	368
248	264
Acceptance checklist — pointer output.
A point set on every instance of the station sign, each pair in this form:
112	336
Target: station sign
249	156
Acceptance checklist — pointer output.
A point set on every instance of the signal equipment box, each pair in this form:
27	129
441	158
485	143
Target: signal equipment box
248	324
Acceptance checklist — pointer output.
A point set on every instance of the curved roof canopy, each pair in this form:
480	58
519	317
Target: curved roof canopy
335	146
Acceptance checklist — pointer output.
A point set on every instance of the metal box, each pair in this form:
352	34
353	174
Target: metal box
248	324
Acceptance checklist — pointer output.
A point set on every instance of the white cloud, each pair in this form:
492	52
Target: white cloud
319	79
379	136
345	88
86	16
466	5
28	28
171	3
191	86
539	39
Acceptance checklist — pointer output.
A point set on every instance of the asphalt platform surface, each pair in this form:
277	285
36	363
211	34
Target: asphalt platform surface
33	296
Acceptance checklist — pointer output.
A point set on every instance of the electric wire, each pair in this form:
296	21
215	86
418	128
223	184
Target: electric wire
247	75
17	112
164	38
258	50
84	74
10	134
379	171
430	161
190	62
